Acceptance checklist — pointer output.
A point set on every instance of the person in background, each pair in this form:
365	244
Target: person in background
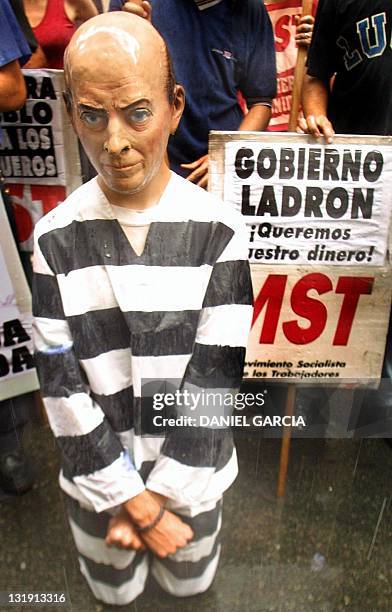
53	23
218	48
348	90
15	473
14	52
351	48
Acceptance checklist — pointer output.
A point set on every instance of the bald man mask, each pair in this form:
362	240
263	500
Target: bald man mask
139	275
124	104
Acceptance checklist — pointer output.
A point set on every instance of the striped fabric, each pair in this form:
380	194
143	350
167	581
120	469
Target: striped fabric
106	318
118	576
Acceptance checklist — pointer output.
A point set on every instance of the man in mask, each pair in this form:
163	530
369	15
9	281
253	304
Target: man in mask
139	275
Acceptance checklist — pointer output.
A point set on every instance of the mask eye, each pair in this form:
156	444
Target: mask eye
139	115
93	120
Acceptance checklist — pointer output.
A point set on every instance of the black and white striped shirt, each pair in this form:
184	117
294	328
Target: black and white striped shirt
106	318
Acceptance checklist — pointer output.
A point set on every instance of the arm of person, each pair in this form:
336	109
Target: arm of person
14	51
37	60
321	65
315	103
95	467
258	74
256	119
12	87
80	10
257	84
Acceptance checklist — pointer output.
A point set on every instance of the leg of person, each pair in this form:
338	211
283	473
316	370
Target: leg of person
115	576
15	473
192	569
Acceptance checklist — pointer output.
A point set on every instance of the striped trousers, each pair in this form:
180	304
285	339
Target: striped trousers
117	576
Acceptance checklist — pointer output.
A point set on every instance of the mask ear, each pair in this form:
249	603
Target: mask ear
68	104
177	106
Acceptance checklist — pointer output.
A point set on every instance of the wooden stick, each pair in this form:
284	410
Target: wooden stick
285	448
40	412
299	74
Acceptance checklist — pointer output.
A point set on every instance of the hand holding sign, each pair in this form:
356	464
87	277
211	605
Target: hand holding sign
304	31
318	125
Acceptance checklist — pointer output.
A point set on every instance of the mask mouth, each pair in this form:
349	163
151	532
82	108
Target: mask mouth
123	167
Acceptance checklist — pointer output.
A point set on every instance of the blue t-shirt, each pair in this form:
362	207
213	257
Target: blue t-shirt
216	52
13	43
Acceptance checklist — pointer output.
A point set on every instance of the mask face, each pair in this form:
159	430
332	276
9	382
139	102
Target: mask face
124	131
122	114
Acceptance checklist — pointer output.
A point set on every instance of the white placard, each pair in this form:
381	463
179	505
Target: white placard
309	204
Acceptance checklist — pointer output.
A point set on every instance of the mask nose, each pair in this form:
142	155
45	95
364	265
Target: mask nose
116	141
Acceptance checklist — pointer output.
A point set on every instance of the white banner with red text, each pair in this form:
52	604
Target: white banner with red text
318	218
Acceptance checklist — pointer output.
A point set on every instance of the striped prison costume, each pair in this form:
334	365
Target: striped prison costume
105	319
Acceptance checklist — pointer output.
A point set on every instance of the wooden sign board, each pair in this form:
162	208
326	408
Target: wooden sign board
319	228
38	146
39	155
17	372
39	159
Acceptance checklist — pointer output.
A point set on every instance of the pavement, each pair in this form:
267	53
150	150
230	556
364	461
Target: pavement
326	547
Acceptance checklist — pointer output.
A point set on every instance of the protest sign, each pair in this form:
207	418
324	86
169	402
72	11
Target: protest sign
17	373
283	15
329	203
318	218
39	155
324	325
